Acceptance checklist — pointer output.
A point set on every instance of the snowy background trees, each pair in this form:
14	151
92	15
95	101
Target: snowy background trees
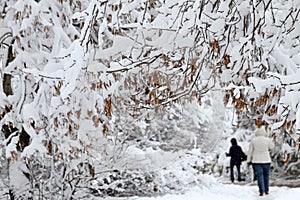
97	89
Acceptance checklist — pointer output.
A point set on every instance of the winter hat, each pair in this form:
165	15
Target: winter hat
233	141
261	131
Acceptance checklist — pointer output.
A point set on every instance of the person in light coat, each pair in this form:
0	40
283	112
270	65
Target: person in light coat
259	157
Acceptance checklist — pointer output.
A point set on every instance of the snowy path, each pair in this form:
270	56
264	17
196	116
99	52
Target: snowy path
233	192
213	189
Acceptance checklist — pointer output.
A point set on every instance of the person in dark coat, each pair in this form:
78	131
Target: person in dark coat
237	156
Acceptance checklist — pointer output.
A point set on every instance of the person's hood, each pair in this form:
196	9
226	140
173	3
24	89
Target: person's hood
233	141
260	131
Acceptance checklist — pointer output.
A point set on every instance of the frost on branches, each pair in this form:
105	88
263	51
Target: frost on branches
84	80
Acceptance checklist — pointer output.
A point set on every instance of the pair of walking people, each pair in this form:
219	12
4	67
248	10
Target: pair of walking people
258	156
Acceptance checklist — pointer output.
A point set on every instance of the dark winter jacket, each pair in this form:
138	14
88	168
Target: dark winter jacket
236	153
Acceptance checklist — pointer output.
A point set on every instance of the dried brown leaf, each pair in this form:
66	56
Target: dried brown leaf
226	59
108	107
55	122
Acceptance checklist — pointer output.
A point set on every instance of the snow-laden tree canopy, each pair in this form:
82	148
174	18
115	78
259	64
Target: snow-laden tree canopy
75	73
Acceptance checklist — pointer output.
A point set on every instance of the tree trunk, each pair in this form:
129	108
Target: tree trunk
7	77
7	84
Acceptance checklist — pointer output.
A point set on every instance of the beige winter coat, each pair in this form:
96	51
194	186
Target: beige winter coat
259	147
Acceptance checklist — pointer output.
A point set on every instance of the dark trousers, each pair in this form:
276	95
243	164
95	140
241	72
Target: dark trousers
262	172
238	167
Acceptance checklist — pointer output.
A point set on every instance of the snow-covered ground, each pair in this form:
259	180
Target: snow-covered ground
213	189
232	192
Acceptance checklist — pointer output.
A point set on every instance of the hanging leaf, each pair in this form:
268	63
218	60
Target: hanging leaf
78	114
215	46
55	122
226	60
96	121
108	107
105	130
89	113
14	156
49	147
287	157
